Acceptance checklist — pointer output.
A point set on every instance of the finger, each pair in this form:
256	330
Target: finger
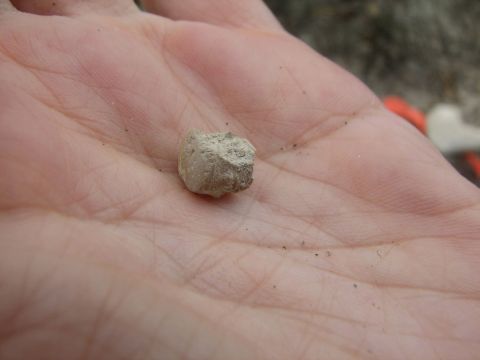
245	13
75	7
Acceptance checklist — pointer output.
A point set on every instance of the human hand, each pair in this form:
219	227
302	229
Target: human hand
356	239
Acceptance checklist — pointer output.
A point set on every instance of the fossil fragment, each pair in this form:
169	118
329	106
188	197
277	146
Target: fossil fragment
215	163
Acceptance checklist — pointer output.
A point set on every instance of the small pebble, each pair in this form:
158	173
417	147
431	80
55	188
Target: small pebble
216	163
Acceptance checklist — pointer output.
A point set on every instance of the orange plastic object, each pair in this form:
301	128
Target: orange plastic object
400	107
474	162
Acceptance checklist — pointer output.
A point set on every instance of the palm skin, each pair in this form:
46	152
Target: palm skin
355	241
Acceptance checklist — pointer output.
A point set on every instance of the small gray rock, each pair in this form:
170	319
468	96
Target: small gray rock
216	163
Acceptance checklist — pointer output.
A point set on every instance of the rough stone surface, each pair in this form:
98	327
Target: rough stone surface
216	163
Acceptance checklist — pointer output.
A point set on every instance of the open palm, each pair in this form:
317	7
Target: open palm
356	239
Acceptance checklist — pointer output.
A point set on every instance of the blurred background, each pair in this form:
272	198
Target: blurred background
426	52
